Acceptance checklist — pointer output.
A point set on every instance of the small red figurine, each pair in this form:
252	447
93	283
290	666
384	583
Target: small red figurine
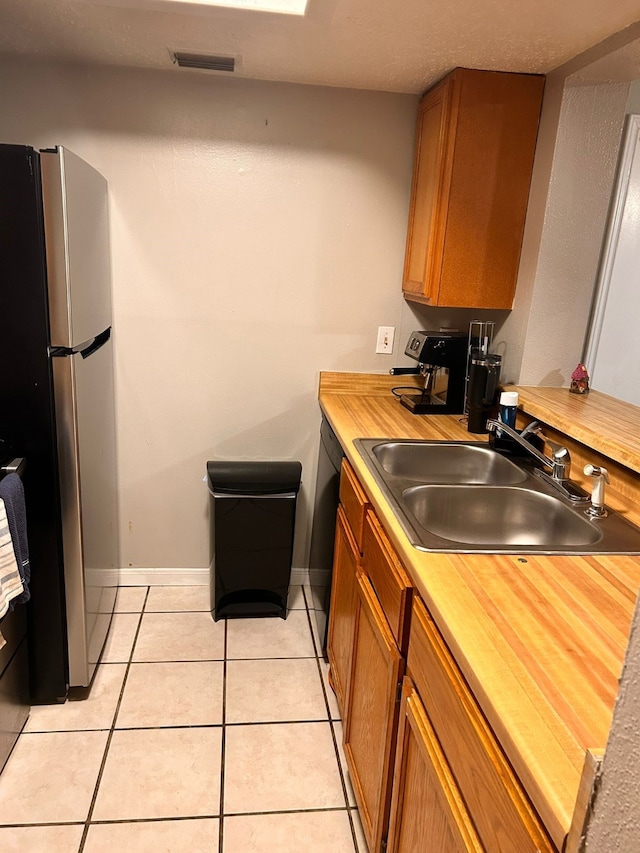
580	380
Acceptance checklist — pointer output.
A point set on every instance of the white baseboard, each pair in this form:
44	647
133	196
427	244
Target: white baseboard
178	577
299	577
163	577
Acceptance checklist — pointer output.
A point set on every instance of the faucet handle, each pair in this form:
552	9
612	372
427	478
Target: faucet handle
534	428
560	455
557	450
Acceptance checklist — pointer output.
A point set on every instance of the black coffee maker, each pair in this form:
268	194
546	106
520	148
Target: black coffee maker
442	360
482	389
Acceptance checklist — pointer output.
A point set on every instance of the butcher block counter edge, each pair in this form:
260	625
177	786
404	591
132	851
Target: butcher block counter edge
540	640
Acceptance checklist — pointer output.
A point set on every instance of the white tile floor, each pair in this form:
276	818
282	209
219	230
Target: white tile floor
196	736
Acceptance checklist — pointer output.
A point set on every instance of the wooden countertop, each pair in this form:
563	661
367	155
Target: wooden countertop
541	640
603	423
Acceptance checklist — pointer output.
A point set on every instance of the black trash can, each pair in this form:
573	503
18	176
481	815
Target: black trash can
252	510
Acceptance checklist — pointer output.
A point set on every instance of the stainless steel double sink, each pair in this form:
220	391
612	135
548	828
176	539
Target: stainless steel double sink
465	497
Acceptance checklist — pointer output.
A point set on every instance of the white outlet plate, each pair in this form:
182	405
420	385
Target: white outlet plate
385	339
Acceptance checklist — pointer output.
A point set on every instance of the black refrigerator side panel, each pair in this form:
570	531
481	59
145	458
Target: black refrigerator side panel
27	409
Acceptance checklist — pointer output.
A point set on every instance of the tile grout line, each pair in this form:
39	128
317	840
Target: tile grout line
208	660
316	651
344	784
173	612
238	724
87	822
325	688
223	739
160	819
318	810
174	818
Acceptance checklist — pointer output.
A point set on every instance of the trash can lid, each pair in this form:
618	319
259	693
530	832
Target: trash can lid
260	478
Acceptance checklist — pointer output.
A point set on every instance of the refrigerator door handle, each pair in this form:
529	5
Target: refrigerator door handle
99	341
85	349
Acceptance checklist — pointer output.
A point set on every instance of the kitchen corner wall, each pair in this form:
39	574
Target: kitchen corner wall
582	177
583	113
573	176
257	237
615	822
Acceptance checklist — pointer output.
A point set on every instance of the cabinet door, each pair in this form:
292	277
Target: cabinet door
372	713
503	815
427	811
474	155
343	609
431	173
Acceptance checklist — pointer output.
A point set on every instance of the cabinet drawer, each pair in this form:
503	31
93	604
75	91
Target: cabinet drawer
503	816
354	501
389	579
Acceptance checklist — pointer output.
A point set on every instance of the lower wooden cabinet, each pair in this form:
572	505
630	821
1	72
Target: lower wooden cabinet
372	713
453	790
346	558
427	810
505	819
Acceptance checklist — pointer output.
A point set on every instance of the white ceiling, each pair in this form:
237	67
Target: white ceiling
391	45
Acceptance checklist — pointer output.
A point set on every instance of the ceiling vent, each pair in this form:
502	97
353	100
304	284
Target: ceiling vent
208	63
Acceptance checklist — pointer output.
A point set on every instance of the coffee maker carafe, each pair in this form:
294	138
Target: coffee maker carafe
482	390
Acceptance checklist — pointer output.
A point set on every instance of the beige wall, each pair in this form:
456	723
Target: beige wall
578	148
257	238
615	827
582	177
582	118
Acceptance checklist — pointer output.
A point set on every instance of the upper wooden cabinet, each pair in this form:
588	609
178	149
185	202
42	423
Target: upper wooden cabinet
475	145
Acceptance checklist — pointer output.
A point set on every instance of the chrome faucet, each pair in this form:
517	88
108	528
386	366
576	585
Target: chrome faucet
559	462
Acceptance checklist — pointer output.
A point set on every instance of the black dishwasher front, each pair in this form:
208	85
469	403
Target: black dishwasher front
325	508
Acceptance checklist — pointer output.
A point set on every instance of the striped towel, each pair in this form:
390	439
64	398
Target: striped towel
10	583
12	493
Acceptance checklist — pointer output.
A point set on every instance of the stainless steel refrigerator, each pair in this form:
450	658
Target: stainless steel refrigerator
57	403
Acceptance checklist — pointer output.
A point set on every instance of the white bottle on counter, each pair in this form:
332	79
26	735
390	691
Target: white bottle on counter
508	408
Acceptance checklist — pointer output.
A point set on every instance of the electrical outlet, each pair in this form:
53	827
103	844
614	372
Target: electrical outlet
385	339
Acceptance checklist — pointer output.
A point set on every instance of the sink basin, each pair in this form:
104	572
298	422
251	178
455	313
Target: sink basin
502	515
448	462
463	497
